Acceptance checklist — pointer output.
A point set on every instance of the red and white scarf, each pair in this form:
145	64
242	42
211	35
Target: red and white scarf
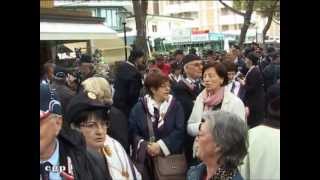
211	100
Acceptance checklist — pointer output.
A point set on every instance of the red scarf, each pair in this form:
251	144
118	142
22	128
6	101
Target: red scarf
211	100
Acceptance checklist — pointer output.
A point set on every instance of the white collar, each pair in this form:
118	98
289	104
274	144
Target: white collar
190	80
163	108
130	63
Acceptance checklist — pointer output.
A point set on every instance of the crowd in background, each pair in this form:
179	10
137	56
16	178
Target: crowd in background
221	110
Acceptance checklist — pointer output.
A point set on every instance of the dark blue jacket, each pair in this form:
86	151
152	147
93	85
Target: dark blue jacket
197	172
128	82
173	132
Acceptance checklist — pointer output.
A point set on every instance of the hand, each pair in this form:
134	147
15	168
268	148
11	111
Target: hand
247	111
242	82
154	149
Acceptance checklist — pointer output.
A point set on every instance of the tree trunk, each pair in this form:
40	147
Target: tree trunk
246	22
140	12
246	18
270	17
266	27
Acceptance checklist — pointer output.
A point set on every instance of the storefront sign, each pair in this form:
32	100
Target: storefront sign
181	35
199	37
216	36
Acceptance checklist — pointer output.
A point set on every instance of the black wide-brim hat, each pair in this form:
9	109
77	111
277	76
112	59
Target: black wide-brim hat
83	102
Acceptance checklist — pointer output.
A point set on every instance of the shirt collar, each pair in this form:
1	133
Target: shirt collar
236	60
54	159
190	80
131	63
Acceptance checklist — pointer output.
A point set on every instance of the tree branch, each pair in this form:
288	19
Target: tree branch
232	9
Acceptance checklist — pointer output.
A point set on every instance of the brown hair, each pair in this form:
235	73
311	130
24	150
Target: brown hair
155	78
220	69
231	67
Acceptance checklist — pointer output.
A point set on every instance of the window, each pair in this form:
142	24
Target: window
224	11
94	12
154	28
225	27
114	18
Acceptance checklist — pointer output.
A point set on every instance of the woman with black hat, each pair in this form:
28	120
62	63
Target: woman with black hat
252	85
91	118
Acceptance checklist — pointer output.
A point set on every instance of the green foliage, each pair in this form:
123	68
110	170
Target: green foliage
260	6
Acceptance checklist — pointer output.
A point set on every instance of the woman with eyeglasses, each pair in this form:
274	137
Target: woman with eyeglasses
214	97
91	118
167	118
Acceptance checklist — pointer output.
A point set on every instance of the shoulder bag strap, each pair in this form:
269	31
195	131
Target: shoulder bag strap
149	122
132	169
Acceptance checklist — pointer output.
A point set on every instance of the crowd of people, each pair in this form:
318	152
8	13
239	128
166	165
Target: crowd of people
220	110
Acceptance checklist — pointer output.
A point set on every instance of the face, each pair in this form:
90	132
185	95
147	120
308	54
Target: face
177	72
162	92
212	81
179	57
50	73
160	62
248	63
49	130
94	132
85	69
231	75
206	145
194	69
259	52
140	61
211	58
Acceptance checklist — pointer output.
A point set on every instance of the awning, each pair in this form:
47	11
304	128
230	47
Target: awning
75	31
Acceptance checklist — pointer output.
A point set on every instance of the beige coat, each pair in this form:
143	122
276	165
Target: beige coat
230	103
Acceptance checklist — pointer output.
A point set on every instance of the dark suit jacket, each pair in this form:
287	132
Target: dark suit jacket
128	82
186	97
119	127
254	96
241	66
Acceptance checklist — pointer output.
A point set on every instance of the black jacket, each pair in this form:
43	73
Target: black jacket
72	145
241	66
254	96
186	97
119	127
271	74
63	92
128	82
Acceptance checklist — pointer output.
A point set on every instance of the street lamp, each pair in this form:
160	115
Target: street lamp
125	40
256	34
124	15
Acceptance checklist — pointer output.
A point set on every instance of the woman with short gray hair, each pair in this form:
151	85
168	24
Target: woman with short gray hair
221	146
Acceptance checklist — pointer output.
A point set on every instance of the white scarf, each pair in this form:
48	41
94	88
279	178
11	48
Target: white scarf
151	104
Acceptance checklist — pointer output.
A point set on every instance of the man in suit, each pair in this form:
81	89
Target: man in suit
236	54
186	92
128	82
254	97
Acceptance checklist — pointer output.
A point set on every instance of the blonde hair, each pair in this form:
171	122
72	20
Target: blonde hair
100	87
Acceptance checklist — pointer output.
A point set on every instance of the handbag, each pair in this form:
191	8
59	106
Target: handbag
172	167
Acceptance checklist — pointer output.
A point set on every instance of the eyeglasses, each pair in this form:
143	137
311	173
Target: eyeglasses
94	125
197	64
